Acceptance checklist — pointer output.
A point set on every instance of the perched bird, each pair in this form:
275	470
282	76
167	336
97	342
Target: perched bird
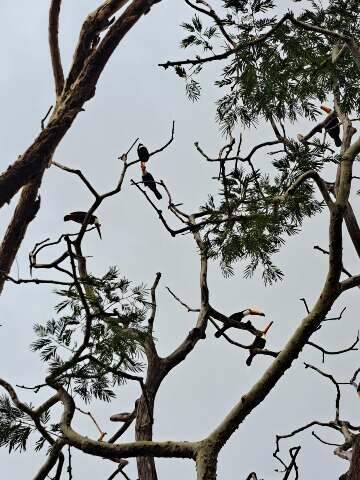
143	153
238	316
332	126
79	217
258	343
149	182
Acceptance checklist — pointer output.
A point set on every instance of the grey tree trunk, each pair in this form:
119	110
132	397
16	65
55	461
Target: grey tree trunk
354	471
145	413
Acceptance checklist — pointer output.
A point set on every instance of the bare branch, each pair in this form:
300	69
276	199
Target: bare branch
153	302
26	210
79	174
54	14
323	441
326	252
46	116
338	393
102	433
189	309
336	352
37	281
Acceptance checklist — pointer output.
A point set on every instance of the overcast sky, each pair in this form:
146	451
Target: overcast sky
135	98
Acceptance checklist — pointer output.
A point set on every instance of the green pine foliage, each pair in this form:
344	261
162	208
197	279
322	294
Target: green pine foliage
117	335
285	78
16	427
265	223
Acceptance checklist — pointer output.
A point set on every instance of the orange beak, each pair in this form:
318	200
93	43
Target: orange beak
255	311
326	109
267	328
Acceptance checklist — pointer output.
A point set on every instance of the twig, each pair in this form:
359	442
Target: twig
46	116
80	175
69	469
306	305
338	393
324	442
167	143
102	434
293	454
189	309
326	252
37	281
124	155
36	388
211	13
336	352
153	302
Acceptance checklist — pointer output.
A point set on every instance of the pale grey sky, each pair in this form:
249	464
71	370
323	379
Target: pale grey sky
135	98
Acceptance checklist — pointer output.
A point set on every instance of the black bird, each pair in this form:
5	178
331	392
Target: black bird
258	343
143	153
238	316
332	125
149	182
79	217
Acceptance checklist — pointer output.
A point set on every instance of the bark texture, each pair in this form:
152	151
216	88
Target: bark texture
354	471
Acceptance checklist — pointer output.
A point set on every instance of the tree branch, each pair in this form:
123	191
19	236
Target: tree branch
54	14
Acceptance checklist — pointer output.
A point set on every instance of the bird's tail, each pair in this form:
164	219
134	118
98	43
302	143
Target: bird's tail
249	359
67	218
220	332
157	194
97	225
338	141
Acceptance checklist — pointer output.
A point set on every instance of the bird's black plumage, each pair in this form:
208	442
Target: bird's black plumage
150	183
238	316
258	344
143	153
79	217
332	127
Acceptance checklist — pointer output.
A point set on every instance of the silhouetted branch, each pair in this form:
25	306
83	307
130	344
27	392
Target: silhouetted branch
336	352
54	14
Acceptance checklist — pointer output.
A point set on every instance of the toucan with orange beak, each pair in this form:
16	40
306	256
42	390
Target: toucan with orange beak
332	125
79	217
258	344
149	182
238	316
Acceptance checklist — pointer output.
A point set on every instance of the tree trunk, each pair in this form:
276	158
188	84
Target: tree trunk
354	471
145	414
206	464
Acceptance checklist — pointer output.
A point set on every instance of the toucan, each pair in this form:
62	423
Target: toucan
238	316
258	343
79	217
143	153
149	182
332	126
